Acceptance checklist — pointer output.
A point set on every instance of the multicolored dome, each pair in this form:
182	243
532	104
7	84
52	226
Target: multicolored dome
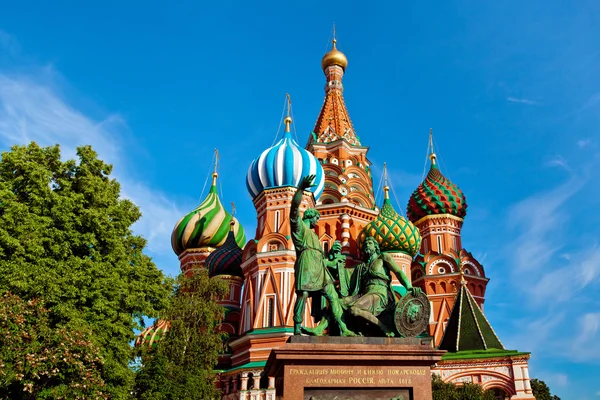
393	232
284	164
152	334
436	195
227	259
206	226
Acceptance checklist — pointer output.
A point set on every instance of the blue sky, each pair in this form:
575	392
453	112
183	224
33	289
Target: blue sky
511	90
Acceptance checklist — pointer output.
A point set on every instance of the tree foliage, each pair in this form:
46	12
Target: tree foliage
181	365
449	391
541	391
65	237
38	361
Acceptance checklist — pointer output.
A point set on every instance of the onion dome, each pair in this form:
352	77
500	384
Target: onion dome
436	195
334	57
206	226
284	164
152	334
227	259
393	232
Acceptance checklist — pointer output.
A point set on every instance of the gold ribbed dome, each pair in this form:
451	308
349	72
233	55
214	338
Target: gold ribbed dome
334	57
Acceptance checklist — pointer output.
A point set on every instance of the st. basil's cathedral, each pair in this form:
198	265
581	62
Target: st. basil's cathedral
427	245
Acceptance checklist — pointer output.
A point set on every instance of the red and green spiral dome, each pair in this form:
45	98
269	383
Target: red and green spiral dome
436	195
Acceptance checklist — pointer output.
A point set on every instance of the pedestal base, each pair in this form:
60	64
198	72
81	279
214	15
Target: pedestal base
321	368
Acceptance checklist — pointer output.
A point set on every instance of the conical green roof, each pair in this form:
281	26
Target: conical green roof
467	327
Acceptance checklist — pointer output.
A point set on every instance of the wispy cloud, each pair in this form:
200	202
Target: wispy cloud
558	161
33	111
523	101
534	220
585	347
583	143
8	43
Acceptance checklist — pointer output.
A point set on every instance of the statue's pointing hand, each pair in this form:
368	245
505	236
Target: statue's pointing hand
307	182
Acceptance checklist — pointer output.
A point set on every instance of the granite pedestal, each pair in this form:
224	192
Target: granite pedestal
360	368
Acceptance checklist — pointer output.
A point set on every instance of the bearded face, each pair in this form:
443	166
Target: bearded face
370	248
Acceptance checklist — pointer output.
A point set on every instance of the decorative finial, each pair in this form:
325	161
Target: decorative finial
232	210
432	156
288	118
386	188
215	174
463	281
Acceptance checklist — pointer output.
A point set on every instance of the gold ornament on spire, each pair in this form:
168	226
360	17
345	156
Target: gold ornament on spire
386	188
215	174
432	156
288	119
334	57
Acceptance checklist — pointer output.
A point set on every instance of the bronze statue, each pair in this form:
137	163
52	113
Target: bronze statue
311	274
365	293
368	291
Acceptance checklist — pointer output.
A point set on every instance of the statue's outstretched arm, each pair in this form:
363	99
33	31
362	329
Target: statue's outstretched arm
395	268
305	184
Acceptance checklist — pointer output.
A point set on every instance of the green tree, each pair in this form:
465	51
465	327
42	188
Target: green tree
39	361
65	237
541	391
181	366
449	391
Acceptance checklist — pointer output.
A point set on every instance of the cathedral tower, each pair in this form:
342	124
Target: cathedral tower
348	202
438	208
268	260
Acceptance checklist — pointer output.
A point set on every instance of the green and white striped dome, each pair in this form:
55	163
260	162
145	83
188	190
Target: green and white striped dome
206	226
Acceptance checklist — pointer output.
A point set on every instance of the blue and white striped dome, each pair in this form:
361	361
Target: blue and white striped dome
284	164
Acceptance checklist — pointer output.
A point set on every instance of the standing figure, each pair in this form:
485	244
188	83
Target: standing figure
374	286
311	274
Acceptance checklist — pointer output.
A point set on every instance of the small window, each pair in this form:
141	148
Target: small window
326	247
277	221
455	243
439	240
270	312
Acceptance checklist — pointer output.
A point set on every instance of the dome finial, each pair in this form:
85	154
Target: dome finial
334	57
215	174
288	118
386	188
432	155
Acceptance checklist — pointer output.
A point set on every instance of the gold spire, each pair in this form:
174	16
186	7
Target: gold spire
386	188
215	174
288	118
432	156
334	57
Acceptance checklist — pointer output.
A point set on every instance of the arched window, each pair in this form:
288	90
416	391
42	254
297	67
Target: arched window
326	247
270	312
455	243
277	220
439	240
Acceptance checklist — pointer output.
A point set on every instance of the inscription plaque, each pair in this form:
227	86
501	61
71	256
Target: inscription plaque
356	394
